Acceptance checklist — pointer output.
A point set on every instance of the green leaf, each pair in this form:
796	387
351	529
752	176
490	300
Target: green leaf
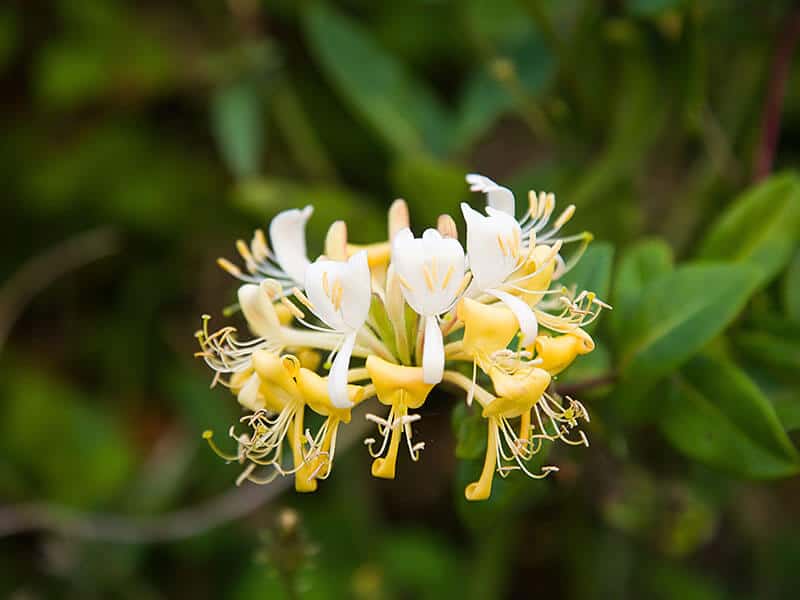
593	271
717	415
640	264
380	88
678	314
238	126
791	289
766	348
759	227
787	407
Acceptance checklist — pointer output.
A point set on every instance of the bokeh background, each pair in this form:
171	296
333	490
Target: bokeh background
141	139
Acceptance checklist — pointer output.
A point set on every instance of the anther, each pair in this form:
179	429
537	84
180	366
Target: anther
229	267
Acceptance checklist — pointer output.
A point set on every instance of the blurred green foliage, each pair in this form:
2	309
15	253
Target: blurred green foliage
185	125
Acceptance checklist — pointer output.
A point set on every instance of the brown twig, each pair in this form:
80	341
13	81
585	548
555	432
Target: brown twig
771	115
177	525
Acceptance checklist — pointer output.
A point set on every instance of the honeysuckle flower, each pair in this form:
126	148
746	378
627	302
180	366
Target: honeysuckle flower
537	216
558	352
287	261
517	393
389	315
495	253
279	408
315	392
431	272
400	388
339	294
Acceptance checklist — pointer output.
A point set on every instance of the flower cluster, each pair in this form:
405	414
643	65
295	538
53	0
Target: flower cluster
393	319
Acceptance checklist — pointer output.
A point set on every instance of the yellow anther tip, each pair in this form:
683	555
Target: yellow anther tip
208	434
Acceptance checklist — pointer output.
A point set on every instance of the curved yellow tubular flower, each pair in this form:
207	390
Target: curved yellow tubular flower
557	353
400	388
517	393
283	396
314	389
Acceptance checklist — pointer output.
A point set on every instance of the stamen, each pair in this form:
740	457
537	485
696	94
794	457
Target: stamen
259	246
448	276
502	246
532	203
428	278
244	251
464	284
302	298
325	286
564	217
208	436
228	266
292	307
404	282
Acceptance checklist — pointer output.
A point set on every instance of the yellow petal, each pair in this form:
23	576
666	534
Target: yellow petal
397	385
277	382
487	327
542	260
238	380
517	393
557	353
482	489
309	358
315	393
378	254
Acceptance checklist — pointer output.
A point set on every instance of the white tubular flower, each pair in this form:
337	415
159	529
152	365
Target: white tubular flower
431	272
286	262
495	252
339	294
536	218
497	196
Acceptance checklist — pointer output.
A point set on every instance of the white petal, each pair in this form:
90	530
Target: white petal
257	307
431	269
528	325
408	258
354	278
490	262
497	196
357	297
287	231
337	376
432	352
317	274
248	395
